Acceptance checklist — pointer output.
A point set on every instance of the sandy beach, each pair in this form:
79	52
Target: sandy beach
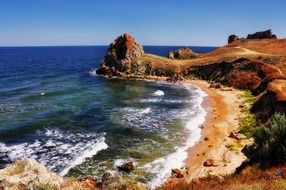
223	107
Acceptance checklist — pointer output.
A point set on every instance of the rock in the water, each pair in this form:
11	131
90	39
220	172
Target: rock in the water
267	34
28	170
127	167
177	173
209	163
184	53
232	38
121	56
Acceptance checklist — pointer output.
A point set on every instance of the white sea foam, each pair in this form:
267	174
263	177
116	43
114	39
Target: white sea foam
57	150
91	150
158	93
147	110
92	72
161	167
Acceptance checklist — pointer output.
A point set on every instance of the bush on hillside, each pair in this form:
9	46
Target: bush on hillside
271	142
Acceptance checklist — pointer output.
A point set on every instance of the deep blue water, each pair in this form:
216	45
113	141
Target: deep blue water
55	109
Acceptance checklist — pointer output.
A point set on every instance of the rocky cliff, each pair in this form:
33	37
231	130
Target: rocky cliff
245	64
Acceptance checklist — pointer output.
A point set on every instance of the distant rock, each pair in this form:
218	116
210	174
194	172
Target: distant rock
232	38
126	167
121	56
267	34
184	53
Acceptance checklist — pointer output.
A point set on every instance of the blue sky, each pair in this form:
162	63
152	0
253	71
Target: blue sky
151	22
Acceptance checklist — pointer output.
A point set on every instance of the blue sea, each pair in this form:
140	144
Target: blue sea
55	109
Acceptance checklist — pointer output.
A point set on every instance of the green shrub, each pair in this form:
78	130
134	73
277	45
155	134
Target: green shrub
271	141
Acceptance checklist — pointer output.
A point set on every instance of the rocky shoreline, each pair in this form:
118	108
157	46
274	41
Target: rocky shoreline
248	64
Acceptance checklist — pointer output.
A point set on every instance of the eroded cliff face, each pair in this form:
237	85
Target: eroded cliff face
241	73
272	100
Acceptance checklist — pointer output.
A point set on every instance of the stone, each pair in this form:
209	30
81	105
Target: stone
121	57
89	181
27	170
177	173
184	53
237	136
267	34
232	38
215	85
209	163
126	167
206	139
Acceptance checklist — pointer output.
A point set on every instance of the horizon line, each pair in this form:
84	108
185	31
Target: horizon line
19	46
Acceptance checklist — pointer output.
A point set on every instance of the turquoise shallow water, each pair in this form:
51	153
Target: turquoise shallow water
55	109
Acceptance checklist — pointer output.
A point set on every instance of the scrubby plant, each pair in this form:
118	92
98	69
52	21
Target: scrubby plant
271	141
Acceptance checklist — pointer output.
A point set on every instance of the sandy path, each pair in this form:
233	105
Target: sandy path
223	113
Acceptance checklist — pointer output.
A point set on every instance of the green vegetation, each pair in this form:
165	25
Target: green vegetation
271	142
247	122
45	186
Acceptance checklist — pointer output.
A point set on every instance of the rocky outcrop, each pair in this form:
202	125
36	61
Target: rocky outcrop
121	56
241	73
272	100
28	173
232	38
184	53
267	34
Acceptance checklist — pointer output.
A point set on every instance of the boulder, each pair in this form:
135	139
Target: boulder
177	173
121	56
267	34
89	182
237	136
184	53
26	171
126	167
232	38
209	163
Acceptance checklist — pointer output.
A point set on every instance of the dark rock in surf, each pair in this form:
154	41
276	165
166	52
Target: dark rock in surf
126	167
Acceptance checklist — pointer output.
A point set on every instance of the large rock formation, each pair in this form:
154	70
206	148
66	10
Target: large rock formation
267	34
232	38
184	53
121	56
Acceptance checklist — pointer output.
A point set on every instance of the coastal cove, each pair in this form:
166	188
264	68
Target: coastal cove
69	131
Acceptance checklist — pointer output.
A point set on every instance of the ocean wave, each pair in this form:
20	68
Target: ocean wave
58	150
92	72
161	167
158	93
